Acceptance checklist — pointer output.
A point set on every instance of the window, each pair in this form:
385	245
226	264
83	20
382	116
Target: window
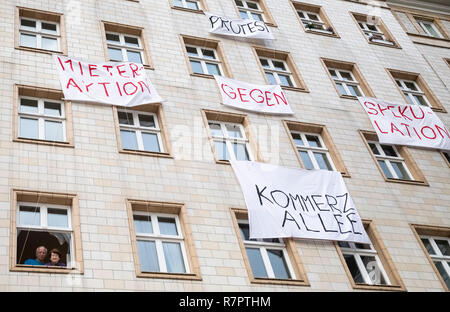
140	132
229	135
162	242
42	117
347	78
125	43
45	219
429	28
255	10
394	162
272	260
279	69
435	242
369	266
446	156
314	146
191	5
205	57
40	31
314	19
415	90
374	30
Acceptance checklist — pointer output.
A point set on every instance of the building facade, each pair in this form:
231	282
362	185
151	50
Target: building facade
144	198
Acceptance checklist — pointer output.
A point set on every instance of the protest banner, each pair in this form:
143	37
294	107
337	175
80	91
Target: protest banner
402	124
257	98
286	202
247	28
114	83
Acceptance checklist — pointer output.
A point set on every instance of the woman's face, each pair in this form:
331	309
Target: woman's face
54	258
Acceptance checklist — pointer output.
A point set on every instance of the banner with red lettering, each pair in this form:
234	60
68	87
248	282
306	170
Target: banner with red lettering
123	84
288	202
402	124
248	28
268	99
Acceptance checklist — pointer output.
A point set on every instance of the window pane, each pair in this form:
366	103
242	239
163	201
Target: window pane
50	44
428	246
373	270
28	40
443	246
341	89
243	14
28	106
216	130
239	3
240	151
58	218
146	121
271	78
264	63
344	244
29	128
177	3
245	231
389	150
385	169
167	226
322	161
112	38
221	150
52	109
174	257
27	24
125	118
306	160
234	131
400	170
196	67
115	54
29	215
431	30
285	80
252	5
150	141
411	86
191	51
420	100
257	17
54	131
134	57
443	272
313	141
354	90
213	69
143	224
313	17
278	263
208	54
49	27
346	76
256	262
278	65
409	98
129	140
131	41
353	268
374	149
297	139
333	73
192	5
148	257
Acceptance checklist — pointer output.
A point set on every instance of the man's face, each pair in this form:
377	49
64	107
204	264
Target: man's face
41	252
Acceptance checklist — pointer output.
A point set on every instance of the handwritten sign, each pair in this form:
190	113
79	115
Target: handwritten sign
258	98
285	202
237	27
124	84
411	125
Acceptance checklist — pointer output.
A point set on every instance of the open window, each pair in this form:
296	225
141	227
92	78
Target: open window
374	30
314	19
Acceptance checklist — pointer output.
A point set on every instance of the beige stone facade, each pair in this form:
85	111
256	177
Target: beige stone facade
101	182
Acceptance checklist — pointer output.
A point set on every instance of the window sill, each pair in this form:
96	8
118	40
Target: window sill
438	109
429	40
188	276
332	35
412	182
188	10
44	142
144	153
297	89
203	76
277	281
395	46
348	97
379	287
50	52
44	269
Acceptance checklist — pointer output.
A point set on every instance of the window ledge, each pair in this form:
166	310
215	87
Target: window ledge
438	109
429	37
333	35
277	281
203	75
349	97
44	142
379	287
144	153
412	182
40	50
395	46
44	269
297	89
188	10
187	276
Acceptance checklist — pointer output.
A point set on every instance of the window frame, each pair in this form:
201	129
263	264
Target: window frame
276	72
422	21
320	13
204	60
262	10
124	48
201	4
345	82
39	33
382	30
409	93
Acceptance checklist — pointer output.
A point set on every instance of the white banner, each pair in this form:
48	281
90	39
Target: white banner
286	202
124	84
247	28
257	98
402	124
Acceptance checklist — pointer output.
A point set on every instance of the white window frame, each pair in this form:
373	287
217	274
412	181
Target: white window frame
184	4
306	20
138	129
276	72
357	253
263	246
44	227
422	24
39	33
124	47
438	256
311	149
369	33
344	82
159	238
203	60
387	159
409	93
42	118
249	11
229	140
